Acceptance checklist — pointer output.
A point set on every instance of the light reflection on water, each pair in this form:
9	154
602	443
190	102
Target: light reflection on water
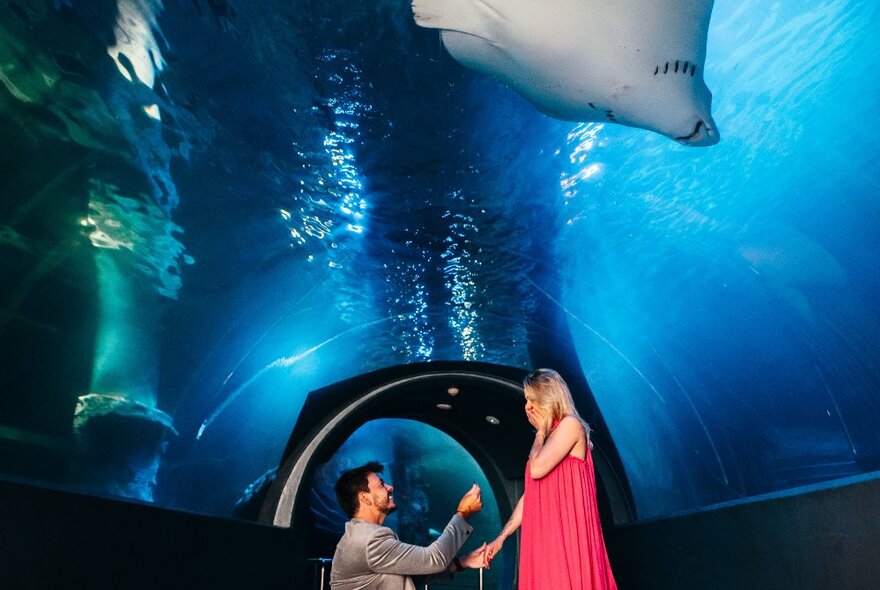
461	263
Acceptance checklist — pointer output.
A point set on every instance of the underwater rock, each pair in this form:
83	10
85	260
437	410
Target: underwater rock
248	506
119	445
93	405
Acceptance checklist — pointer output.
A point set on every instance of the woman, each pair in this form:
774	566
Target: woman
561	540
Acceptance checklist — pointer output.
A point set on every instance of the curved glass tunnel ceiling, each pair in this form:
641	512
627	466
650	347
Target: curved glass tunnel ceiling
211	209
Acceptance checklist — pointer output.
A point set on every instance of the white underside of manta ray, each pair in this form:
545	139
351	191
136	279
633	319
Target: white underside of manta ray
633	62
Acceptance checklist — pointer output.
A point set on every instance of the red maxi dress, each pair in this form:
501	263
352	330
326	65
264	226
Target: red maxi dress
561	539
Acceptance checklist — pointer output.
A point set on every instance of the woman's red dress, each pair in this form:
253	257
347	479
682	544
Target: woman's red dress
561	538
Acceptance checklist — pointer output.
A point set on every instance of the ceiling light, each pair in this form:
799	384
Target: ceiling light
452	391
493	420
444	407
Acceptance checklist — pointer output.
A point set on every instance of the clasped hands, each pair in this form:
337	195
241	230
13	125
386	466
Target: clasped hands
482	556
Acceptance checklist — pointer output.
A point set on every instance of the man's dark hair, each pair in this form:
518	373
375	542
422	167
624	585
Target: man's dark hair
353	482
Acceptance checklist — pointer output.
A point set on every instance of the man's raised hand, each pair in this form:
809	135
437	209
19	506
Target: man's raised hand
471	502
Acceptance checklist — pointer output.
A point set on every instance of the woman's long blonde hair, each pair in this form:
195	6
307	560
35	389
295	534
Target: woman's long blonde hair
546	389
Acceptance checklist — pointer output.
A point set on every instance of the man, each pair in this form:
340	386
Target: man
370	557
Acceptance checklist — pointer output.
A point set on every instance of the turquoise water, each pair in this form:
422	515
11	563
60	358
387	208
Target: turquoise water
214	208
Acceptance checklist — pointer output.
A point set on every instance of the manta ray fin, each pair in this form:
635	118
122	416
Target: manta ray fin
472	17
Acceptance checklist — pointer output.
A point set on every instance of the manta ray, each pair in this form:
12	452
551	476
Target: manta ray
634	62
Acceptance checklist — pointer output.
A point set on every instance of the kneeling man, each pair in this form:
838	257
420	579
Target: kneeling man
370	557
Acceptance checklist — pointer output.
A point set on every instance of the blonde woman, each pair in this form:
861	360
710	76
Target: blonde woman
561	544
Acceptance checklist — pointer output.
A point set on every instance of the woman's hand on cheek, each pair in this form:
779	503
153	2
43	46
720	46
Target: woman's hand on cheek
532	417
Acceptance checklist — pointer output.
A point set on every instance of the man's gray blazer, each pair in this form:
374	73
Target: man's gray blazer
371	557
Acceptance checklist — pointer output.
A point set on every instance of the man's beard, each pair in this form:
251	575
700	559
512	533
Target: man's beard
384	506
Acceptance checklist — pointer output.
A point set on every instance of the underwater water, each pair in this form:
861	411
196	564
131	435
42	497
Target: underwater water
211	209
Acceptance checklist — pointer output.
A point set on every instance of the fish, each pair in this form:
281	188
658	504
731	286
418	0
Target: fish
634	63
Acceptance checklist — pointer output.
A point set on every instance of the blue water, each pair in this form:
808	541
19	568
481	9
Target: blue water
262	199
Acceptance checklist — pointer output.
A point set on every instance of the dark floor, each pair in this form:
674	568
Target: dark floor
824	540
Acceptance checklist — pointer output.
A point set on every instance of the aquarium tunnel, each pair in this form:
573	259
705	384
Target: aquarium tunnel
247	245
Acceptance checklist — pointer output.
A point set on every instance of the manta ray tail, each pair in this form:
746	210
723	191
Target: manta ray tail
464	16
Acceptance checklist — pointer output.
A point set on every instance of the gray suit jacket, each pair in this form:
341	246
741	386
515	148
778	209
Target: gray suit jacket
370	557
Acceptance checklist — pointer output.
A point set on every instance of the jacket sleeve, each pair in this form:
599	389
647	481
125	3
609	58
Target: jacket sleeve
388	555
